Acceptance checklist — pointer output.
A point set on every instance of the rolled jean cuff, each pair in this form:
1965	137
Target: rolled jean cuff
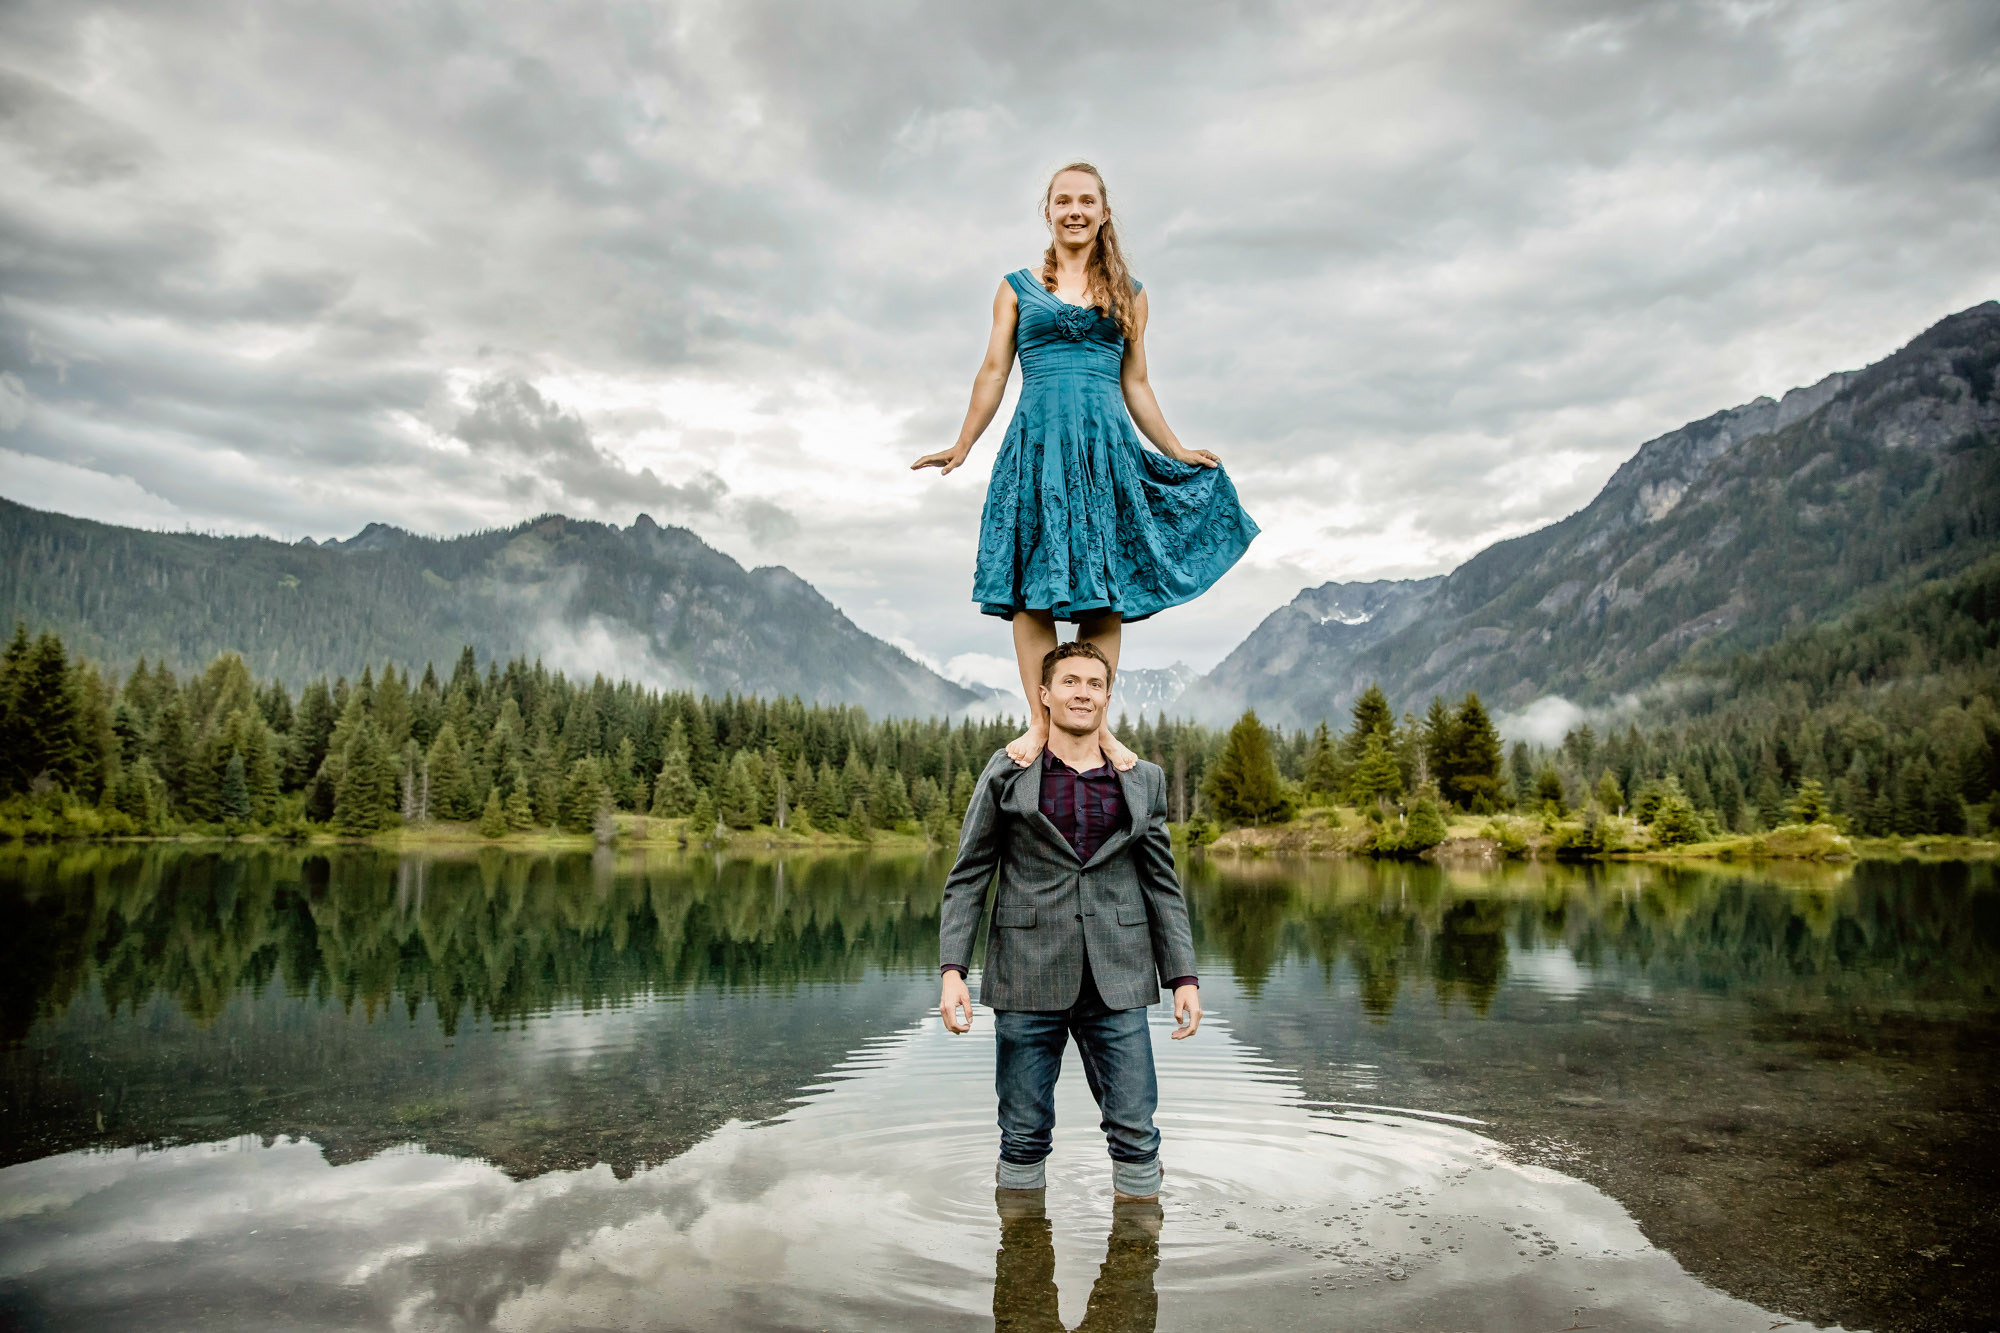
1139	1178
1015	1176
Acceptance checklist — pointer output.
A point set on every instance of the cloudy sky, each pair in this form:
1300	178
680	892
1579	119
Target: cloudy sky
1422	274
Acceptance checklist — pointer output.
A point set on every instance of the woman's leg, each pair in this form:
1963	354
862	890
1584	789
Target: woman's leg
1104	632
1034	639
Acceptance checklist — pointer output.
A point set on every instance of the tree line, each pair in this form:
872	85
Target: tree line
1887	723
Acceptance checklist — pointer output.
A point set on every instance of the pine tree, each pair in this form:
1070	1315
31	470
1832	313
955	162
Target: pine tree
46	725
801	786
364	800
625	774
701	820
493	819
14	737
392	707
1372	717
924	796
1322	769
451	794
673	786
739	801
262	764
1376	774
1423	827
1242	786
1941	797
1470	776
520	806
1809	805
1438	743
1549	790
305	749
545	784
829	800
888	798
235	800
1674	821
1608	796
1523	766
857	822
137	794
1769	797
582	794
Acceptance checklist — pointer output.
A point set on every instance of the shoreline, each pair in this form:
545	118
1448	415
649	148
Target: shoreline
1338	834
635	833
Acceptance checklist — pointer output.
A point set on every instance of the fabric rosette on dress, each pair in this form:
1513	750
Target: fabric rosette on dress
1081	516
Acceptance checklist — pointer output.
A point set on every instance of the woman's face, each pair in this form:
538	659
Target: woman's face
1076	209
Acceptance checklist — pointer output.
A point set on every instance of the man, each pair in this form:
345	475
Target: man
1088	922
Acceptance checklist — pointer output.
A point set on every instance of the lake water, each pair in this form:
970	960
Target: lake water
255	1089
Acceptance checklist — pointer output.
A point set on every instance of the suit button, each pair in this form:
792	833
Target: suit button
1079	916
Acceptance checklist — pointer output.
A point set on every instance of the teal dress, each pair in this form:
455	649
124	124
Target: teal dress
1082	518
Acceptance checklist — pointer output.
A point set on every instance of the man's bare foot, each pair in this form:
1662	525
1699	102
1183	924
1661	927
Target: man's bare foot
1025	747
1121	758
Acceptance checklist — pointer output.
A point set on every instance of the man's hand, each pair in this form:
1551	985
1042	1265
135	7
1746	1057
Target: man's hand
955	997
1187	1010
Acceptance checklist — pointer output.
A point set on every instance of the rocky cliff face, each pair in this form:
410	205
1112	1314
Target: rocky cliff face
1711	539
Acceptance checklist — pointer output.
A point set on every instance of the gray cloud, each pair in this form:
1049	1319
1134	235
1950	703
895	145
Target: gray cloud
1422	275
511	420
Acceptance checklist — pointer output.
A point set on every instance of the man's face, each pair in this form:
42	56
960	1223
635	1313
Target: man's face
1077	695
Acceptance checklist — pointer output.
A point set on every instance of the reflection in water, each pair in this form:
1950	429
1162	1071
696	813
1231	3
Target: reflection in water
1122	1300
867	1205
495	1091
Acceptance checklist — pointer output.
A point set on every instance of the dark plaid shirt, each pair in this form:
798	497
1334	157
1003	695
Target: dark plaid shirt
1086	809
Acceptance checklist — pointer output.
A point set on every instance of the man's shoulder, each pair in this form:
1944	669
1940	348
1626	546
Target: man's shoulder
999	765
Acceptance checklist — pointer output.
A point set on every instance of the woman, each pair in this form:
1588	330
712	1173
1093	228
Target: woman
1082	522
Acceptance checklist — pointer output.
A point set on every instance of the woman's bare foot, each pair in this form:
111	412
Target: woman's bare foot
1025	747
1121	758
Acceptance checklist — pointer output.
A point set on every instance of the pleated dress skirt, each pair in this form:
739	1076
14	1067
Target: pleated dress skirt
1082	518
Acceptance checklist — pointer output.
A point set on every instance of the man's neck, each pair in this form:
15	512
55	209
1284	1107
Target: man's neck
1079	750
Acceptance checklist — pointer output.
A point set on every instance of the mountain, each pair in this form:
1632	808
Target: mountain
647	602
1712	540
1149	691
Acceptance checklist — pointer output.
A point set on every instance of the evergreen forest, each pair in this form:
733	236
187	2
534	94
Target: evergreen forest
1884	723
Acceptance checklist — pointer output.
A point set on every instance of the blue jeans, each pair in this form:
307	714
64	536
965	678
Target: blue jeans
1118	1064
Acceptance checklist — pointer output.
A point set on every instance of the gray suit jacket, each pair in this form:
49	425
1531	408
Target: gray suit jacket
1125	905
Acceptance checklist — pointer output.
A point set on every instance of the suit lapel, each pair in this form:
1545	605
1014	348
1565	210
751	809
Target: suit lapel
1134	791
1027	793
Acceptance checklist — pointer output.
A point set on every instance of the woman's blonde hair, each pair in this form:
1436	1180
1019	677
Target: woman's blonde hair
1107	282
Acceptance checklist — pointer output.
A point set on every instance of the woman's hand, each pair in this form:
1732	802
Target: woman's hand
950	460
1201	456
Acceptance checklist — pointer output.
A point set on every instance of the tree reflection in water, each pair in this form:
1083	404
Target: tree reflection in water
1778	1068
1122	1300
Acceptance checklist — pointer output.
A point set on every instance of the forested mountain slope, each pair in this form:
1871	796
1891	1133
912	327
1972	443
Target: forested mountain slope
650	603
1711	540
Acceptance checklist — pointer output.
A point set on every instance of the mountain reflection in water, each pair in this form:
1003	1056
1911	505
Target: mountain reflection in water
1773	1070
